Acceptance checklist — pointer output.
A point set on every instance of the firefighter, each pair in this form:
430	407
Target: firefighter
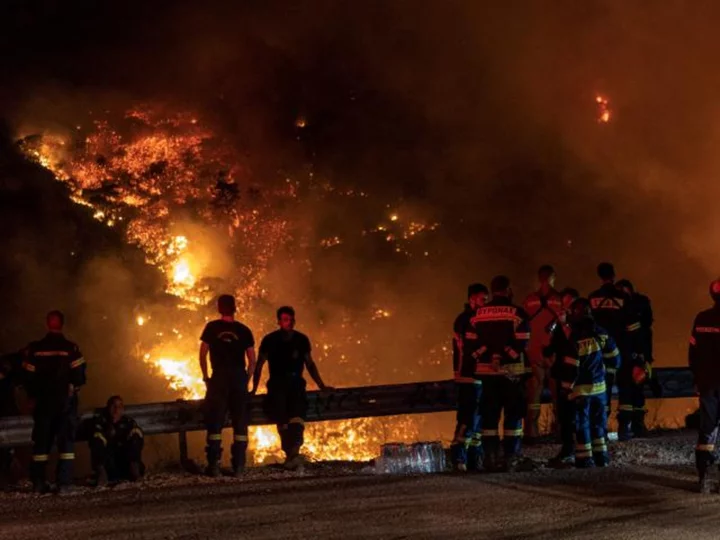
466	448
643	312
288	353
590	349
543	307
612	310
500	363
564	407
704	360
9	368
116	445
55	370
229	343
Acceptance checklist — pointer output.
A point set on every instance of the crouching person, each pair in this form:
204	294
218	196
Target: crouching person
116	445
590	350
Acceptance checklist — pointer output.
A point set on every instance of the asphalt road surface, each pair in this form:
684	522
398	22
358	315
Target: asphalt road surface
648	493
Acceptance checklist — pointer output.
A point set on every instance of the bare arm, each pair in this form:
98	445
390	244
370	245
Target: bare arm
257	372
314	373
252	361
204	348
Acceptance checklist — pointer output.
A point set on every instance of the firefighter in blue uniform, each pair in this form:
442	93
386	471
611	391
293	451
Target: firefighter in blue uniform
116	445
564	407
590	349
287	352
503	331
612	310
642	309
55	370
228	342
704	360
466	448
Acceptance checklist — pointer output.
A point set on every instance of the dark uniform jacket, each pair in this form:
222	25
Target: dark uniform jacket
503	332
466	337
612	310
50	366
704	353
643	312
589	349
113	435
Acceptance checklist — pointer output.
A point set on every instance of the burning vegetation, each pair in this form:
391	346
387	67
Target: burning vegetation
185	198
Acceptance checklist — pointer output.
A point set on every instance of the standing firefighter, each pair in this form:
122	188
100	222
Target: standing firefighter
589	349
466	449
288	353
642	309
55	370
503	332
543	307
612	310
704	360
564	407
229	342
116	445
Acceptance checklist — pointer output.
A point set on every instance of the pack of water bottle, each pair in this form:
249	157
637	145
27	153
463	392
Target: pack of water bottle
416	458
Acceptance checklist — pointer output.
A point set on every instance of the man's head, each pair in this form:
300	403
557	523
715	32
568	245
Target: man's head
115	408
286	318
226	305
580	311
715	291
500	286
546	276
568	295
625	286
606	272
477	295
55	321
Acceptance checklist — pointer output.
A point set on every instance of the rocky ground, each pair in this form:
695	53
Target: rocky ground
647	492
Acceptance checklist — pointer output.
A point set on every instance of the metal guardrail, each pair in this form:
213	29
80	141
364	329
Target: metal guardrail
340	404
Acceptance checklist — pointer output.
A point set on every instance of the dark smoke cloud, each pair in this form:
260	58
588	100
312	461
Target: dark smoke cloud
480	117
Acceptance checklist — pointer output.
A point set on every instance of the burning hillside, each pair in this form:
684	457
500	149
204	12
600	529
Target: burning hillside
187	200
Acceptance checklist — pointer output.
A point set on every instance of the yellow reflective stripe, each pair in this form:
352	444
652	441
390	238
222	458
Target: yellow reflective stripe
611	370
587	346
77	363
611	354
241	438
296	420
27	366
513	432
51	353
633	327
625	408
570	361
515	368
40	457
692	341
100	436
583	446
214	437
588	389
67	455
137	431
705	447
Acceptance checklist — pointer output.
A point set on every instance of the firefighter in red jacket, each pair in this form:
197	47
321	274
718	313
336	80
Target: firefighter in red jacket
704	360
543	308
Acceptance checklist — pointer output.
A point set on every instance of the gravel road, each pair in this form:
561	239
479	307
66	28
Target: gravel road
647	493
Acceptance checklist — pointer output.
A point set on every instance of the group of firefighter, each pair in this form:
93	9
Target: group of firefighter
505	356
52	370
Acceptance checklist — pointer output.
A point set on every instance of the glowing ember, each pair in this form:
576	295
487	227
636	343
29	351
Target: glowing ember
603	109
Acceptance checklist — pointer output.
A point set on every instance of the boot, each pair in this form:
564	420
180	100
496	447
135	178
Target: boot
38	471
625	432
135	471
584	463
638	424
562	461
214	455
101	476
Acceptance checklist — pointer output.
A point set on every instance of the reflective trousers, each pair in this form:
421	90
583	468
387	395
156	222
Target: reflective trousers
707	433
590	437
226	395
286	405
57	425
116	456
502	395
466	447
